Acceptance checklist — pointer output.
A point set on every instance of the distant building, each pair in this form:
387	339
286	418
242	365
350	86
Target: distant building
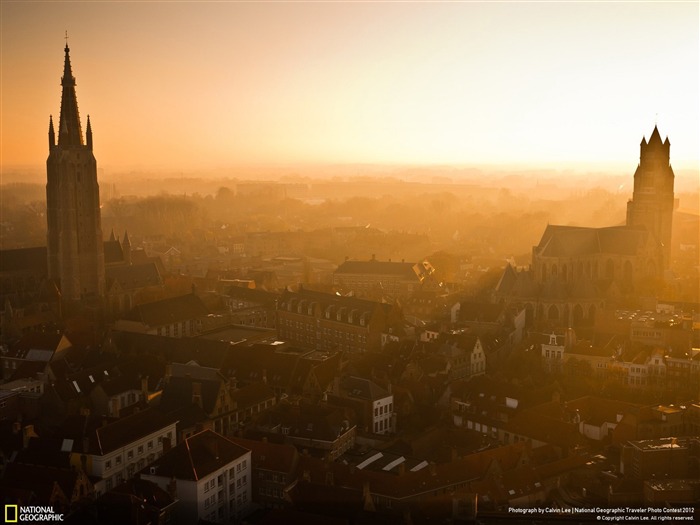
174	317
373	404
576	269
112	452
374	278
332	322
668	457
211	476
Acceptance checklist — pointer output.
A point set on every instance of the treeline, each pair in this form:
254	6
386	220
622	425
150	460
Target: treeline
500	223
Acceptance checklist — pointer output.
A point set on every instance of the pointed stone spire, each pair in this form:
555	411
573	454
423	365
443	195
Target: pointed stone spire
126	248
88	134
111	236
52	135
655	136
71	134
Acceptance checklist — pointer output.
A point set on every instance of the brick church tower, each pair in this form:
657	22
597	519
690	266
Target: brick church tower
652	200
74	245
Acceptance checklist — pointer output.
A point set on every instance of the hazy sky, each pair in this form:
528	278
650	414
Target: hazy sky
180	84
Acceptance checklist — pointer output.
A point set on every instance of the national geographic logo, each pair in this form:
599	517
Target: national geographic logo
17	514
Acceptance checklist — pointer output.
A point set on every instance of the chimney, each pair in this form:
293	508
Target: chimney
144	388
197	393
27	433
368	502
172	488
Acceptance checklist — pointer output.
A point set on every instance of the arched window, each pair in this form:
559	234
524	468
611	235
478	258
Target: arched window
627	272
609	269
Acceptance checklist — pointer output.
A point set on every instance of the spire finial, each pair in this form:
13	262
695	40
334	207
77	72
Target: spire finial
66	37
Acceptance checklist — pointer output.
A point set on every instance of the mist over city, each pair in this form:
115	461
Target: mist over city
349	263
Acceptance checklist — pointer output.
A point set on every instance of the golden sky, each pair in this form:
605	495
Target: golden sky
196	84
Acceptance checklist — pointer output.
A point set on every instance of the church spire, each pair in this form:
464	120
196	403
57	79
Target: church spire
52	135
88	134
70	133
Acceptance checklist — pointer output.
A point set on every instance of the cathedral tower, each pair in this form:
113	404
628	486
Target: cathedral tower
652	200
74	237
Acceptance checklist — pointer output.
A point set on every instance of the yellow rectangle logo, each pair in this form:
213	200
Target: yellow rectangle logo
11	513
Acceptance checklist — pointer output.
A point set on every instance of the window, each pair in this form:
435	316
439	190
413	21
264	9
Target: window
108	464
245	464
130	454
119	460
150	444
140	449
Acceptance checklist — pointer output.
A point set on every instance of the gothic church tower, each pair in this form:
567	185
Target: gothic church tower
652	200
74	244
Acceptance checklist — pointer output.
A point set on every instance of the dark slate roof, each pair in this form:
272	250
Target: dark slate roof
205	352
167	311
146	492
24	259
480	311
135	276
39	479
113	252
128	429
363	388
252	394
270	456
178	393
252	295
573	241
36	259
107	434
197	457
374	267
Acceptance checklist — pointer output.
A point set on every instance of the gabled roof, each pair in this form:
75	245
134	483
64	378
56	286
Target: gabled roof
270	456
197	457
113	252
205	352
24	259
135	276
411	271
362	388
127	430
179	392
481	311
252	394
573	241
41	480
